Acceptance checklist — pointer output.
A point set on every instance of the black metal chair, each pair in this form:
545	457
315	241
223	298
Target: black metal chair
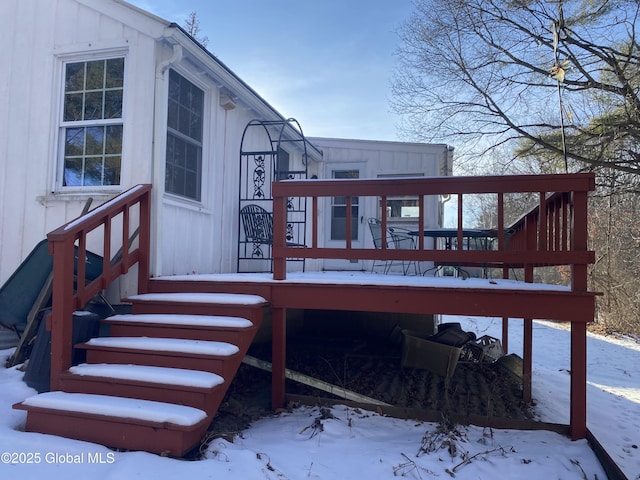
376	234
397	238
258	226
402	240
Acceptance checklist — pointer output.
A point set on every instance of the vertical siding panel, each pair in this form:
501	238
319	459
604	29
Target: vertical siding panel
9	39
137	162
86	26
40	151
24	154
20	103
221	180
229	223
110	29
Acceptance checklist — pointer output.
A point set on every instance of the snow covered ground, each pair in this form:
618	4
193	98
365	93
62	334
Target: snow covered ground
613	391
343	443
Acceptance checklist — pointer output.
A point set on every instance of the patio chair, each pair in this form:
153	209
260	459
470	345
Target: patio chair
375	226
397	238
258	226
401	239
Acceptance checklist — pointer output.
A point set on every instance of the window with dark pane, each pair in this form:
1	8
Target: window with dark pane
93	90
339	210
282	164
92	156
92	122
184	138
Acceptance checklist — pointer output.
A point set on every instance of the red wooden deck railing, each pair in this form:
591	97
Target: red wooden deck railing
68	245
553	233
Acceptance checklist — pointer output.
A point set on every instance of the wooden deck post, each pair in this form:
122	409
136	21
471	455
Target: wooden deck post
533	234
527	361
505	335
579	273
578	415
278	356
144	244
279	229
505	275
63	305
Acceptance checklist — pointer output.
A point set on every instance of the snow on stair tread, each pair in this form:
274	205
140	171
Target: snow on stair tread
217	298
142	373
183	320
177	345
118	407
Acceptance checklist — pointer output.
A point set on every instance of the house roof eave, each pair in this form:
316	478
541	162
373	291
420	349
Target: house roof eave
225	78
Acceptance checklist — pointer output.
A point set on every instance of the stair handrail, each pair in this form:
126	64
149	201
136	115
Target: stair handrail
71	290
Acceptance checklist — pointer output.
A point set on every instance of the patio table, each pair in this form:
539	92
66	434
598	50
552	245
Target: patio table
447	238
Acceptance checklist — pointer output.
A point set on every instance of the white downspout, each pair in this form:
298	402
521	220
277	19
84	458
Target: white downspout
159	153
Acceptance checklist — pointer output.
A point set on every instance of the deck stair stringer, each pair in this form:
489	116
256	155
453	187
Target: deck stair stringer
173	351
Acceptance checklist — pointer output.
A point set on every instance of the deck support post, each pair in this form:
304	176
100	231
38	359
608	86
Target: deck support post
505	275
527	347
578	410
278	357
505	335
527	361
579	281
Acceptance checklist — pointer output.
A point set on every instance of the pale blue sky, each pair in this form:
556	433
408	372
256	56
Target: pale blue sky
326	63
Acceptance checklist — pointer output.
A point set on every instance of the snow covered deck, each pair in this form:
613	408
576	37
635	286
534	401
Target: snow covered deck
369	278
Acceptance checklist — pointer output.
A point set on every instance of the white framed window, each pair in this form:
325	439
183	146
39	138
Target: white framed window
92	122
185	116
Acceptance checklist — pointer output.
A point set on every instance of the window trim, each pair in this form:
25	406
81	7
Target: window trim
61	125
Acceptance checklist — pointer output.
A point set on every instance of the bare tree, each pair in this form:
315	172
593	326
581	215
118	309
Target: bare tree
556	84
486	72
615	231
192	27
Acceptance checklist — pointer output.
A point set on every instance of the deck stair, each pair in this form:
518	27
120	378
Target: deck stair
157	381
